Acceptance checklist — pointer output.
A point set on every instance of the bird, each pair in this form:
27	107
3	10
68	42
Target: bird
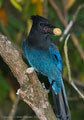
43	55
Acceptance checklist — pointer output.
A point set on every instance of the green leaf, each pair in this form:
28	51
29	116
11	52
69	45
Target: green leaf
1	2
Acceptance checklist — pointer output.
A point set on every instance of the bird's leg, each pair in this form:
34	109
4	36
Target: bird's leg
43	85
50	87
46	90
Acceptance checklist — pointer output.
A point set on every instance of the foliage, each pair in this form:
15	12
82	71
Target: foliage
15	23
4	88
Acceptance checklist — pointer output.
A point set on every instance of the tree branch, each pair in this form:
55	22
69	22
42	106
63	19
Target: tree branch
31	90
14	108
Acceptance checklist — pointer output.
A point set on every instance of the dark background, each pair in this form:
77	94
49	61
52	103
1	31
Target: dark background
15	23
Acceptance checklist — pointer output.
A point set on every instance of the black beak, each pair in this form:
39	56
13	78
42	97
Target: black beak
50	25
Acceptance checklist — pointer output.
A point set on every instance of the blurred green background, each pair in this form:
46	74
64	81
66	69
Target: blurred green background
15	23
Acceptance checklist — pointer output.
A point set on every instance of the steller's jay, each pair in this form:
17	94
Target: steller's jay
43	55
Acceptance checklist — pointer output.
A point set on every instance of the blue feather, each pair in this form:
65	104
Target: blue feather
44	63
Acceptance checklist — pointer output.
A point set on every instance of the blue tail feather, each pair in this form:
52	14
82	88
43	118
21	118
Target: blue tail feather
61	104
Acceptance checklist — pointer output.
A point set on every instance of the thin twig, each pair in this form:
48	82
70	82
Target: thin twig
24	117
77	12
65	11
69	26
66	31
76	81
45	8
66	56
79	48
68	67
14	108
58	11
79	92
63	21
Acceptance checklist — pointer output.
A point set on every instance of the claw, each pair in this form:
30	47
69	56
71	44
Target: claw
46	90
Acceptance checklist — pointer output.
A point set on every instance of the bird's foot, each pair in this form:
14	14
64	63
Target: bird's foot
51	85
46	90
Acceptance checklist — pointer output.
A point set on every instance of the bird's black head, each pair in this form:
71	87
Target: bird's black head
42	24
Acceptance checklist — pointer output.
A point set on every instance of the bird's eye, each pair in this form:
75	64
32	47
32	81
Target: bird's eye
41	24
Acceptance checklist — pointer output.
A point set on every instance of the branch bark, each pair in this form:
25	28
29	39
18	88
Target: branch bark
31	90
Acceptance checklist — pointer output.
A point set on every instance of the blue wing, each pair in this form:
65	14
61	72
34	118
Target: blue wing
56	56
59	66
60	100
